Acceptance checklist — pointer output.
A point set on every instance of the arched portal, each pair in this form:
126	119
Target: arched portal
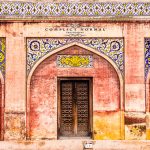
42	94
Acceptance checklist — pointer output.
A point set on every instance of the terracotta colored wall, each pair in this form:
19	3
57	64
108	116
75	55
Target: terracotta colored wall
134	81
15	81
15	77
43	100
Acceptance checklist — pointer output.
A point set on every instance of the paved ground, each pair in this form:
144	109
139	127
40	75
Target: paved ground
74	145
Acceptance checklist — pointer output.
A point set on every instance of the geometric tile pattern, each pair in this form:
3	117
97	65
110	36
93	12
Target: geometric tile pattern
2	55
49	9
111	47
147	56
67	61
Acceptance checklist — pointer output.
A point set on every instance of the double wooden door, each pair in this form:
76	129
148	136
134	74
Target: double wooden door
74	108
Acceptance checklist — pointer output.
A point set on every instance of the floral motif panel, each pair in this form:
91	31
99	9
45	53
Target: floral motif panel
113	48
147	56
2	55
41	9
83	61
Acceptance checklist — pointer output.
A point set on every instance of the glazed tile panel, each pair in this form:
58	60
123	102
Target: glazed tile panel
82	61
2	55
38	47
30	9
147	56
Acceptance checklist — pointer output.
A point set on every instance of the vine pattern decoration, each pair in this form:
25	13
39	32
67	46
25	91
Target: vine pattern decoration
147	56
2	55
111	47
10	9
82	61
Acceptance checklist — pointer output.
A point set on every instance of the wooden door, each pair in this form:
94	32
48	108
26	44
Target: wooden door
74	108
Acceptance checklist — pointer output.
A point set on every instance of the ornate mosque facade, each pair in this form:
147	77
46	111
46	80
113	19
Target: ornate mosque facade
74	75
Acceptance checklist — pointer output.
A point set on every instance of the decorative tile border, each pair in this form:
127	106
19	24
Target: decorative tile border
48	9
2	55
82	61
147	56
39	47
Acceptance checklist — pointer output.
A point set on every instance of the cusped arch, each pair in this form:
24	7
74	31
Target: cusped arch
120	77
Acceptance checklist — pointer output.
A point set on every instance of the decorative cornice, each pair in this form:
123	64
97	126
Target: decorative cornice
36	10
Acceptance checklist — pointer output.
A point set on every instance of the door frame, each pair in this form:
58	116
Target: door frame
90	79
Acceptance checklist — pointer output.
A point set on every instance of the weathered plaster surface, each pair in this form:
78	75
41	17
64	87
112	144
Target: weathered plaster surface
135	126
135	98
43	102
15	126
74	145
78	0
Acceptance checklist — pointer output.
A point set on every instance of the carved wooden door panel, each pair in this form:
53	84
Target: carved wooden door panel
74	99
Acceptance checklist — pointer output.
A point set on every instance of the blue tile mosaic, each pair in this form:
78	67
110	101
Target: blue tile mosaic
49	9
39	47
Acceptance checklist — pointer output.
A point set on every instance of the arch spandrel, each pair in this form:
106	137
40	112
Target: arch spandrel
39	49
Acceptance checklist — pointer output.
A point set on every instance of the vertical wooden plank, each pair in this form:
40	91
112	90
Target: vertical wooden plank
83	107
58	108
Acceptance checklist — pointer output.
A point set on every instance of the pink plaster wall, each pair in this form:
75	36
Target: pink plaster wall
1	113
15	77
134	67
43	93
